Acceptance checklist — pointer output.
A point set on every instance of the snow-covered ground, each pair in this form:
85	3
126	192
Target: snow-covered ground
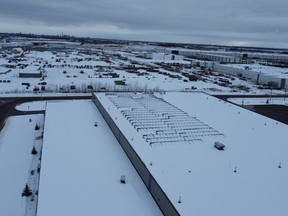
82	165
17	139
32	106
244	179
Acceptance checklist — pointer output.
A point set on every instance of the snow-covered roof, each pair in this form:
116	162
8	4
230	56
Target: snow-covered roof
244	179
31	69
82	165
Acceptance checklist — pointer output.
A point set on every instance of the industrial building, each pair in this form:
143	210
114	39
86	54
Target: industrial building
218	58
240	55
256	76
162	56
208	56
82	167
31	72
170	140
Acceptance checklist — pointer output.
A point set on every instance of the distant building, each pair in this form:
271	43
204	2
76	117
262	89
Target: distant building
31	72
162	56
241	55
208	56
218	58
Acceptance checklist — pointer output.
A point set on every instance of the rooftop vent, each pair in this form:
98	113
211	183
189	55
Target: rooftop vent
219	146
123	179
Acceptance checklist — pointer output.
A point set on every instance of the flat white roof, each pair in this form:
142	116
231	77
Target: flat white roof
31	69
82	165
244	179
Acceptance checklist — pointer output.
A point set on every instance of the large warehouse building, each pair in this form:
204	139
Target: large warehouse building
170	139
31	72
82	165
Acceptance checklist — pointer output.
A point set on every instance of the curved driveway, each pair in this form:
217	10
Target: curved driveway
7	105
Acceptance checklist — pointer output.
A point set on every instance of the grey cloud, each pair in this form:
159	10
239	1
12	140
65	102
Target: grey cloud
169	16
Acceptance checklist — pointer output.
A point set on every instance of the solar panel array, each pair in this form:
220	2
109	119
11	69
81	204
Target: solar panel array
159	121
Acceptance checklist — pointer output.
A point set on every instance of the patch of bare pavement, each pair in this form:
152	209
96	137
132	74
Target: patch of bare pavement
276	112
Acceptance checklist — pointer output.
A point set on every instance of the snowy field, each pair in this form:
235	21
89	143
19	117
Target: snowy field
82	165
32	106
249	177
17	139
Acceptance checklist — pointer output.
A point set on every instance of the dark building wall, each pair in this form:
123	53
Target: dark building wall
283	84
29	75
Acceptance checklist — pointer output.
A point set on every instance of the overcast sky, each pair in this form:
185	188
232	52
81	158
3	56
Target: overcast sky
227	22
